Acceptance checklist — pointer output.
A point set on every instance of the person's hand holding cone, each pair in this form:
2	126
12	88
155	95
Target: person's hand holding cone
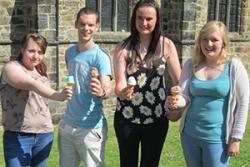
96	86
173	100
129	90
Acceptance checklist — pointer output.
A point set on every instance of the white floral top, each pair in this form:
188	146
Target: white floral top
147	104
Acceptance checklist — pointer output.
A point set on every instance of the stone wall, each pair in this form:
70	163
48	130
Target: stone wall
54	19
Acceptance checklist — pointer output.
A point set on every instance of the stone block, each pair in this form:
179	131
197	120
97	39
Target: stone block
188	15
46	2
50	34
188	35
17	20
52	22
46	9
4	4
43	21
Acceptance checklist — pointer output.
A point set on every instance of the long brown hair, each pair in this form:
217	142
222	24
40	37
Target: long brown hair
131	43
42	43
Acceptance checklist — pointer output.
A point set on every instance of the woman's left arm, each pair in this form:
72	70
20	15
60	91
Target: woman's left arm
242	100
241	110
172	58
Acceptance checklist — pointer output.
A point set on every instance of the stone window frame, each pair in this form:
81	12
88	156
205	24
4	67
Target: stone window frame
232	18
114	35
99	6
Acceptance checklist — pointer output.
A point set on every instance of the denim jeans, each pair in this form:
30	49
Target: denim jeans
80	144
199	153
26	149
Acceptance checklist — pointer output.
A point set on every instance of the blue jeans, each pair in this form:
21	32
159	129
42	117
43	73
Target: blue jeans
199	153
26	149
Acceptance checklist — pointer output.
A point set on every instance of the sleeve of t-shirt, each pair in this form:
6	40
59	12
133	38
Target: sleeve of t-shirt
70	53
104	64
67	58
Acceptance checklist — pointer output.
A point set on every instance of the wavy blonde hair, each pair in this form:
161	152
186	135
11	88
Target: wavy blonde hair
208	28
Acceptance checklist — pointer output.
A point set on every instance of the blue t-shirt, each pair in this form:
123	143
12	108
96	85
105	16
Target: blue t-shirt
85	110
206	116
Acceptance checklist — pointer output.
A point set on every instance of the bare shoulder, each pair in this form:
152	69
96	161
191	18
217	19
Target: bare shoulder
166	41
14	74
168	47
120	51
14	70
12	66
119	45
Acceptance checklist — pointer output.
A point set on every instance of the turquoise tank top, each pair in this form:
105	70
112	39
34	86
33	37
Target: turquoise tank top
207	113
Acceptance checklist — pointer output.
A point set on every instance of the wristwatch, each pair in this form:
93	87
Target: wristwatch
233	139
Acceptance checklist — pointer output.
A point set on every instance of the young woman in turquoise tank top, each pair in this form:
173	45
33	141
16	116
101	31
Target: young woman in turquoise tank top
213	101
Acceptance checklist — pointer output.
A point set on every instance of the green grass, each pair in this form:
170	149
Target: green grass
171	154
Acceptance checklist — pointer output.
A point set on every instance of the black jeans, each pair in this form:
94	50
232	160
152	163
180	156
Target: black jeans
150	138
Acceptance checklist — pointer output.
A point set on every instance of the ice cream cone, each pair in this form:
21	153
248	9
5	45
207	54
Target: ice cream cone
70	84
175	91
94	73
131	82
70	81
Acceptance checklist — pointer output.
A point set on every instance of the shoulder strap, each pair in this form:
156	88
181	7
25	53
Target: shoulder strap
229	61
163	42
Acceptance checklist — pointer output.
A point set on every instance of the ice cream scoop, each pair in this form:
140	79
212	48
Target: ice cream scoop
131	81
70	80
94	72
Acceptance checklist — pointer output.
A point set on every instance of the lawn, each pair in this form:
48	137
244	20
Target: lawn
171	155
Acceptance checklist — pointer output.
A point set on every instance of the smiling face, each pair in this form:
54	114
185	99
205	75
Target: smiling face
32	54
212	44
145	20
87	25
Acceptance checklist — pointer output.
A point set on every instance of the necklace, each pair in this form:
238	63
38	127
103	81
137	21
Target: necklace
212	72
216	68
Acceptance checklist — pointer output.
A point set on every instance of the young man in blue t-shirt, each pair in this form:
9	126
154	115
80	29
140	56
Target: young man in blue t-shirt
83	129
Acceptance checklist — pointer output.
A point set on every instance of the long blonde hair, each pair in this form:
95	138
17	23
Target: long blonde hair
208	28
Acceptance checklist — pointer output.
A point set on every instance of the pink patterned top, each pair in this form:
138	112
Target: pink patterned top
25	111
